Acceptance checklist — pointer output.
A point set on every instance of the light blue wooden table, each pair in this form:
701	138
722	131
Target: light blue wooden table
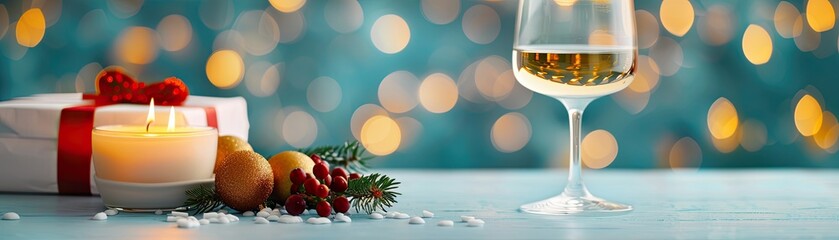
717	204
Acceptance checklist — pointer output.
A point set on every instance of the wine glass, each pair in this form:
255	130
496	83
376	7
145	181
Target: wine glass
575	51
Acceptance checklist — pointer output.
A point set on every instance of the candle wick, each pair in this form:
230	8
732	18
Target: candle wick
147	125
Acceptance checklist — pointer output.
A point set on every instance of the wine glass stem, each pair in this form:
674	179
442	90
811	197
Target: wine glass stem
575	187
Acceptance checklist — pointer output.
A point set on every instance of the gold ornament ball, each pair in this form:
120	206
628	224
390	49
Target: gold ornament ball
244	180
281	165
227	145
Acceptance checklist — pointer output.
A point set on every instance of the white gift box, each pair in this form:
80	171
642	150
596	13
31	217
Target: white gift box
29	132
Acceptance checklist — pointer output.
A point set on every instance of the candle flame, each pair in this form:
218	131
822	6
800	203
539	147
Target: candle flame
150	118
171	126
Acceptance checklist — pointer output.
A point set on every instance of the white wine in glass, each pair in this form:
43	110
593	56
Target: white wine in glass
576	52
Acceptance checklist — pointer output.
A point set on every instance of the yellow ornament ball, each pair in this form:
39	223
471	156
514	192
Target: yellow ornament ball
244	180
281	165
227	145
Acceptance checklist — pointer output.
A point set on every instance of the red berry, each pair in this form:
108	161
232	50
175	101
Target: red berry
339	171
315	158
355	176
295	204
320	170
324	209
322	191
327	180
295	188
339	184
311	185
341	204
297	176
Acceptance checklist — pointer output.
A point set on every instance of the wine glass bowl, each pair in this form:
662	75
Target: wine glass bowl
576	52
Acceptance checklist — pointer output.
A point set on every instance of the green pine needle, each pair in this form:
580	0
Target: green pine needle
350	155
372	192
203	199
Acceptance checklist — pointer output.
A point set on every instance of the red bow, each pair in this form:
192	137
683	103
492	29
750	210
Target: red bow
114	86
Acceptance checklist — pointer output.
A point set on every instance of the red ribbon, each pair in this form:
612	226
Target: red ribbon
76	125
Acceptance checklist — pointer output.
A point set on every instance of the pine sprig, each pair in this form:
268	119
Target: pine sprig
203	199
372	192
350	155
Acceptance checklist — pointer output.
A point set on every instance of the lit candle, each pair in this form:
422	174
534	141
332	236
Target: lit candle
154	154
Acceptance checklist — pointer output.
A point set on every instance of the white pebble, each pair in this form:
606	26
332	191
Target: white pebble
222	211
427	214
283	211
446	223
466	218
99	216
475	223
290	219
180	214
172	218
402	216
318	220
204	221
188	223
260	220
416	220
248	214
158	212
275	212
266	209
111	212
221	215
376	215
223	220
263	214
391	214
340	217
183	222
273	218
232	218
11	216
209	215
213	220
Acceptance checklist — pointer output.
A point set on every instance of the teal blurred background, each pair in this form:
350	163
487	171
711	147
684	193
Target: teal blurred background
316	71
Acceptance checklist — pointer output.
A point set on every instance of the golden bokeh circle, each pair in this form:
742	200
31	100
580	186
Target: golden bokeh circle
808	115
598	149
677	16
722	119
757	45
225	69
381	135
30	28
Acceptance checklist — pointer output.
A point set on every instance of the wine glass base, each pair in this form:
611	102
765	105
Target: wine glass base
576	206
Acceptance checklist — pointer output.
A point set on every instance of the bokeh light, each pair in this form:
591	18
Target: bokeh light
717	26
826	137
361	115
259	31
390	34
685	153
287	5
125	8
518	97
487	74
230	40
216	14
785	18
137	45
30	28
291	25
820	15
410	129
668	55
646	75
175	32
92	28
729	144
344	16
757	45
85	81
754	135
398	92
647	29
4	21
440	11
381	135
677	16
722	119
601	37
438	93
511	132
262	78
598	149
299	129
808	115
481	24
225	69
50	8
324	94
807	39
